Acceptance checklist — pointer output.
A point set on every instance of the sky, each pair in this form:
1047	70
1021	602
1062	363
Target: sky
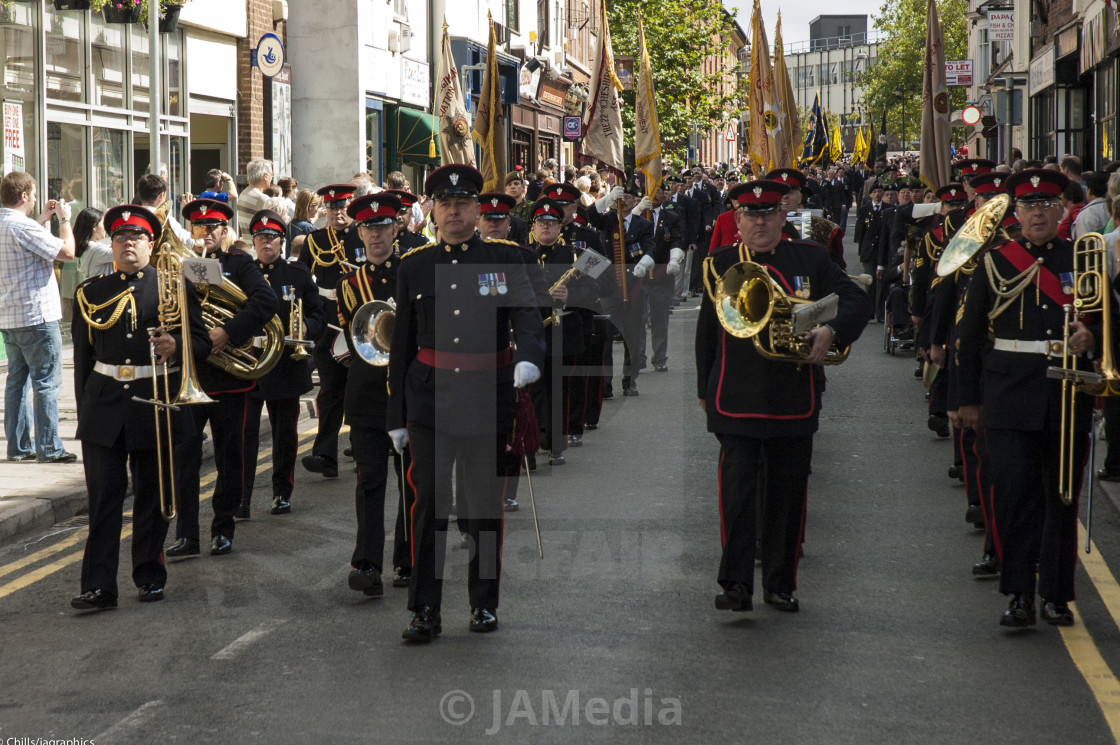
796	15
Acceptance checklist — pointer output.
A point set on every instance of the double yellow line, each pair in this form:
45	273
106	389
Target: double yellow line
78	538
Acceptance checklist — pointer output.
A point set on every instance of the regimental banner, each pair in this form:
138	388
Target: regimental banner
958	72
12	150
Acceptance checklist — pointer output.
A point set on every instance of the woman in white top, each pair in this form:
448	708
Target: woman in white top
94	253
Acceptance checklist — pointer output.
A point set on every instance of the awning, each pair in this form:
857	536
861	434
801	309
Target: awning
413	131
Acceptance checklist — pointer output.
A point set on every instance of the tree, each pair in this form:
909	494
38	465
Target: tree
898	63
679	37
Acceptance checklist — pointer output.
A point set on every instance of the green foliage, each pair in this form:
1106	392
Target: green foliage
899	63
679	37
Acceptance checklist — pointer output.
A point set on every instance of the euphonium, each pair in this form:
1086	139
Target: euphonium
750	305
220	303
371	331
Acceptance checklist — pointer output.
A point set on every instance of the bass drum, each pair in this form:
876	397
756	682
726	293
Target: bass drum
339	350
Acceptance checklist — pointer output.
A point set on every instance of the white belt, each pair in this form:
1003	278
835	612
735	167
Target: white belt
129	372
328	294
1051	348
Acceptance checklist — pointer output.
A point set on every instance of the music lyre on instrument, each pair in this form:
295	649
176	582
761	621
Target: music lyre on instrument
588	263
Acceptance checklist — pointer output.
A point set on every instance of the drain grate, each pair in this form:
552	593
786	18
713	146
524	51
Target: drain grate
82	521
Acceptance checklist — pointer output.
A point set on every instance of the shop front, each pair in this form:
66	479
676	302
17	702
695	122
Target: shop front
1099	46
1060	100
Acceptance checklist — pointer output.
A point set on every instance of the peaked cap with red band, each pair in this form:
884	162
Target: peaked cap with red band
496	205
267	222
132	217
951	193
579	220
1037	183
989	183
454	180
207	212
791	177
407	198
546	209
561	193
763	195
375	209
336	192
975	166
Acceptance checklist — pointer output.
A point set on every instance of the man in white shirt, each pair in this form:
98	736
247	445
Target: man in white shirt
30	309
252	199
151	191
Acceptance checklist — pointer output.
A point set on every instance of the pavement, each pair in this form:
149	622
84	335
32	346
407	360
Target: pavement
35	496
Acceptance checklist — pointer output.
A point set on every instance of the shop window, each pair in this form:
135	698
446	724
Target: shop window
65	44
18	29
1106	113
66	164
173	105
107	187
373	143
107	51
141	71
513	15
521	149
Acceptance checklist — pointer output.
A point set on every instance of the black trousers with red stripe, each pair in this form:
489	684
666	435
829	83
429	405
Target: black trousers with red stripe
977	482
592	363
1032	525
372	451
483	465
227	416
330	403
283	418
775	471
553	400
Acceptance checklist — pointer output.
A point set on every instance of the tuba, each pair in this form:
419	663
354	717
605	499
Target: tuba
371	331
750	305
220	303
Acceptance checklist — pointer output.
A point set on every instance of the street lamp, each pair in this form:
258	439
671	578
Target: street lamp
901	98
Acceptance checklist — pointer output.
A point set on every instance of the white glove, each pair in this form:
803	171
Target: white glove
676	256
643	205
643	266
603	204
399	438
525	373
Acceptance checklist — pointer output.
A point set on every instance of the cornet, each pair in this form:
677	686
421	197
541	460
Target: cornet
296	331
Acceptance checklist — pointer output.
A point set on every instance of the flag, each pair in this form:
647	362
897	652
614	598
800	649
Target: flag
881	150
760	97
787	137
858	149
836	144
489	122
817	142
647	135
602	121
871	144
934	153
454	127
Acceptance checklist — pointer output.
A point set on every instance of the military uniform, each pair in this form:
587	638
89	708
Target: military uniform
451	375
658	285
282	387
112	363
627	313
766	410
587	405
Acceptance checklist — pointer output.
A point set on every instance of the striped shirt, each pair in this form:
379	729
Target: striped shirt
28	290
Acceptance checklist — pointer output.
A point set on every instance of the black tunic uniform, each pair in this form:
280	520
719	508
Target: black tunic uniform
118	434
451	382
765	410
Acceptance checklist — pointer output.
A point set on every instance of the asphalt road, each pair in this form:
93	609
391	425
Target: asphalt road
613	636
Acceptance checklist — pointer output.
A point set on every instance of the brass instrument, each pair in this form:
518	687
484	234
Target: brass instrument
371	331
750	305
565	278
977	232
1092	293
296	332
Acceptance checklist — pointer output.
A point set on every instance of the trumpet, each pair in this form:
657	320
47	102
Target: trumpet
296	331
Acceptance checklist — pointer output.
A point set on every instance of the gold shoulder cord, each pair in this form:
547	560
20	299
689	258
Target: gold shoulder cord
1008	289
316	254
363	287
348	297
87	310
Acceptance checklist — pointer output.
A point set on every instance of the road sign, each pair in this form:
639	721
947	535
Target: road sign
732	132
573	126
270	55
971	115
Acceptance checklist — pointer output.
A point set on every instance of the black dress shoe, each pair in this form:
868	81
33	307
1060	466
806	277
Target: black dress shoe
151	593
986	568
589	426
556	459
182	547
574	441
1020	613
425	625
660	367
242	511
783	601
367	579
319	464
974	515
737	598
219	544
483	620
631	391
533	462
956	472
1103	474
919	372
348	452
93	600
939	424
401	576
280	506
511	505
607	394
1056	614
